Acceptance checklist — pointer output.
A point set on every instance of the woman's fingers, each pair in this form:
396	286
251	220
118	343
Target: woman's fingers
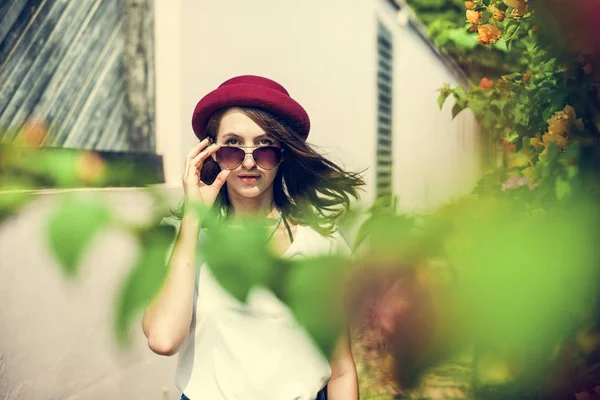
194	152
220	179
199	159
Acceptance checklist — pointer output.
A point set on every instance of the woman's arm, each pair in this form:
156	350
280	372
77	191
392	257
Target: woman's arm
168	317
343	384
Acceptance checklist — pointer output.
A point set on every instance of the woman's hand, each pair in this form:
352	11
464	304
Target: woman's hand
196	191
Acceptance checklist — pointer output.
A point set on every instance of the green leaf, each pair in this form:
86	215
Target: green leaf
573	150
501	45
512	137
144	279
459	94
442	98
463	39
562	188
61	166
227	251
511	29
457	108
72	227
13	196
315	296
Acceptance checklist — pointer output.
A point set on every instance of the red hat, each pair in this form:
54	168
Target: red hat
251	91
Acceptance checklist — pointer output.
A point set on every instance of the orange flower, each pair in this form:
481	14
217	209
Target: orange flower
560	127
520	6
33	133
488	34
474	17
559	140
535	142
486	84
90	167
496	13
470	5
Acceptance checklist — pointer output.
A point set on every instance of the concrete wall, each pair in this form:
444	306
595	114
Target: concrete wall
435	158
56	339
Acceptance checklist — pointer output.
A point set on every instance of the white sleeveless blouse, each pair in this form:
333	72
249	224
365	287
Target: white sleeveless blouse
253	351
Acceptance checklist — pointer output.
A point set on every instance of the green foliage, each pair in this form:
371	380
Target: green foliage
73	225
227	251
447	28
12	199
145	278
314	292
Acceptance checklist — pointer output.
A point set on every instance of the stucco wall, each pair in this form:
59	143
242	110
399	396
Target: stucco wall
56	334
435	158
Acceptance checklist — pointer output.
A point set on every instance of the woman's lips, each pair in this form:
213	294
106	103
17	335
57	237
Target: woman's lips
249	179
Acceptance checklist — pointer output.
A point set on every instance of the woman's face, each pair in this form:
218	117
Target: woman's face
236	129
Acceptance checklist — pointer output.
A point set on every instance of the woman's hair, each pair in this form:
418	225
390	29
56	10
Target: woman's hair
308	188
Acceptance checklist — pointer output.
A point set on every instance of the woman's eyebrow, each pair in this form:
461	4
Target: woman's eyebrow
265	136
232	134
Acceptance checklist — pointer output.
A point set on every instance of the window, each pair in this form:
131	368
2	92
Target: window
384	112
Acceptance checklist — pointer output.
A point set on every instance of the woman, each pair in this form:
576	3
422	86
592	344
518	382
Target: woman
252	159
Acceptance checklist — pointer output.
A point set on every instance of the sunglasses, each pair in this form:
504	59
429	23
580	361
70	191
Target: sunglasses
266	157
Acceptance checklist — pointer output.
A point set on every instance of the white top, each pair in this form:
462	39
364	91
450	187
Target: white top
253	351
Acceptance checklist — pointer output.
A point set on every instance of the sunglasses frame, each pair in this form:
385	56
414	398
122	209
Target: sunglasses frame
246	153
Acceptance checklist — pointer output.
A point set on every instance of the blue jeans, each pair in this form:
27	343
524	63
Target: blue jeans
322	395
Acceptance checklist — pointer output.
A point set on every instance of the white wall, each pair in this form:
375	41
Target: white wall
56	339
435	158
325	55
321	51
168	16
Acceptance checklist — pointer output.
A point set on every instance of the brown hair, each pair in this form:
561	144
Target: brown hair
308	188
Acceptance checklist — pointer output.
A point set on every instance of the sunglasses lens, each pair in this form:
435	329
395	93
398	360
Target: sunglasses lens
230	157
267	157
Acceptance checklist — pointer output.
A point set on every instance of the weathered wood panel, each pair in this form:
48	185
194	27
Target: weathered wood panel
85	67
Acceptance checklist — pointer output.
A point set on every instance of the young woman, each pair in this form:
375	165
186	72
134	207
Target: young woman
252	159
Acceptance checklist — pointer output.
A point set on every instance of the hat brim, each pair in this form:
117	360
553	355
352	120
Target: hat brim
249	95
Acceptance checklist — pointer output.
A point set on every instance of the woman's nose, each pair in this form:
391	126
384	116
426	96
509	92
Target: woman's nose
249	162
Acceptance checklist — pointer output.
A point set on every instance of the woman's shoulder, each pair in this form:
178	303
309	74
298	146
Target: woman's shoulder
324	243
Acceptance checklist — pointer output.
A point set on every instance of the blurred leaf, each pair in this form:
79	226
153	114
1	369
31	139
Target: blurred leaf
383	207
524	303
512	137
459	94
563	188
13	196
60	165
390	235
314	293
227	251
501	45
72	227
456	109
511	28
442	97
462	38
145	278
